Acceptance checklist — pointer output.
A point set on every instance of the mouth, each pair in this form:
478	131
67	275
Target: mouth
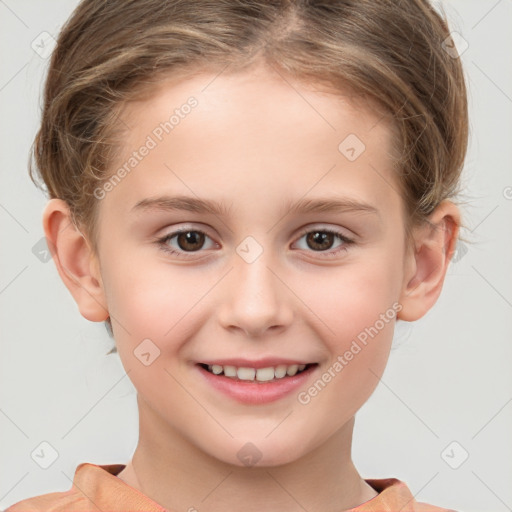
260	375
249	385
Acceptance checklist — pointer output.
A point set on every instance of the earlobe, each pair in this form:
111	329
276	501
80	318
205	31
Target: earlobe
75	261
428	263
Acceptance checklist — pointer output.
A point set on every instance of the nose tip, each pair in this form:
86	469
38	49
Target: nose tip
256	300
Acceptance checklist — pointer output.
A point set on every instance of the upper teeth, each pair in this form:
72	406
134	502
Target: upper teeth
260	374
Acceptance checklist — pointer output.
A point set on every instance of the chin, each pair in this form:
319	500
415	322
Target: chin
259	453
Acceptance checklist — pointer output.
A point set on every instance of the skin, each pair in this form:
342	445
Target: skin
253	142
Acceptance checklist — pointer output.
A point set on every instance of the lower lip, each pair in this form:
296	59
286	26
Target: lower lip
253	392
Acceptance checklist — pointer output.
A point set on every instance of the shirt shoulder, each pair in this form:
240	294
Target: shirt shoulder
94	488
53	502
394	495
97	488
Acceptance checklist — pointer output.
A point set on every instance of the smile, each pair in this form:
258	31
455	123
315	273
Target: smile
271	381
268	374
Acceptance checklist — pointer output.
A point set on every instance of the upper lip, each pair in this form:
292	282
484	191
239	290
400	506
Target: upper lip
260	363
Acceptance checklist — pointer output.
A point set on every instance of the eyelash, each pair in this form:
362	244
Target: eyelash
347	242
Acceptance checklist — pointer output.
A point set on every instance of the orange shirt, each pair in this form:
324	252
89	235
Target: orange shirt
97	488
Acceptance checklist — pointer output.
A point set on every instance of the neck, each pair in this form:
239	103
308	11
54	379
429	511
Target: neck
179	476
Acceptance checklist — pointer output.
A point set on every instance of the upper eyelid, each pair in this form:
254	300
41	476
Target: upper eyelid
337	231
302	232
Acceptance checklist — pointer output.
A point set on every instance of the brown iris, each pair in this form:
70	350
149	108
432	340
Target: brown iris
318	238
190	240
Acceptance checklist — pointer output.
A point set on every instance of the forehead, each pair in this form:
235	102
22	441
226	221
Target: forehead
259	93
256	129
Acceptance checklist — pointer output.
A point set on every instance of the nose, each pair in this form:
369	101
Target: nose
257	300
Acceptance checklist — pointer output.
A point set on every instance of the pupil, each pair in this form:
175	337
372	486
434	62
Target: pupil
190	238
318	238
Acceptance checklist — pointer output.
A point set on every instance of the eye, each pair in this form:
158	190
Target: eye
322	239
186	241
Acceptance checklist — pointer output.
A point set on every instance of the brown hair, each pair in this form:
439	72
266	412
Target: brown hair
386	51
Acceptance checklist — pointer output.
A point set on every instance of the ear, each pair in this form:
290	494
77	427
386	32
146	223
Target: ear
427	262
75	261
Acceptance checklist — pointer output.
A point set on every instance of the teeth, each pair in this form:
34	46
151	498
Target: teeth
260	374
264	374
246	373
292	370
280	371
216	369
230	371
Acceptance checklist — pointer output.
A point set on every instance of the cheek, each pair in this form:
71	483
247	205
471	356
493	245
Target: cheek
151	299
357	307
152	306
351	298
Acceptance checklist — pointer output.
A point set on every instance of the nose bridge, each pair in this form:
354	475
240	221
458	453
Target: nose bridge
256	299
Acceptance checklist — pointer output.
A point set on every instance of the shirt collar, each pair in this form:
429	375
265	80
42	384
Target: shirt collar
101	486
107	492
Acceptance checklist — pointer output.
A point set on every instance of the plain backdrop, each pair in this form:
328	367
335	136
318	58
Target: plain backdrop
441	417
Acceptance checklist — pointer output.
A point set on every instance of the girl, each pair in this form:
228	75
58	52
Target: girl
250	194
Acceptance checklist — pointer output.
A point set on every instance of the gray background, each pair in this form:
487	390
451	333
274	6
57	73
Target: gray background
448	380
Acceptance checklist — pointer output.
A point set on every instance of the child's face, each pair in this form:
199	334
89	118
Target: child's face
253	287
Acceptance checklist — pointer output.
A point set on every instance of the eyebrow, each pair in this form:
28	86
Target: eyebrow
208	206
